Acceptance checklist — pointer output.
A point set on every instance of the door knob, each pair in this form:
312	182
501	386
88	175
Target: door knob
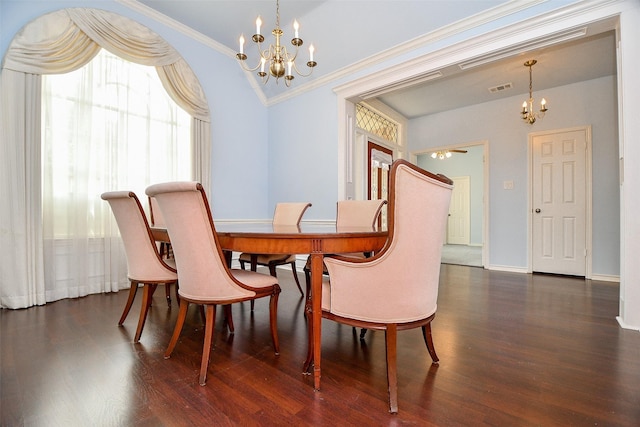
538	210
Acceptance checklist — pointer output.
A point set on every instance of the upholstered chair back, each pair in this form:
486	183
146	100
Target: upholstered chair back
358	213
289	213
143	261
399	284
155	214
204	275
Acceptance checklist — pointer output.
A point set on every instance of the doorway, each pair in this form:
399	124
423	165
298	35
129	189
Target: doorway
470	165
560	189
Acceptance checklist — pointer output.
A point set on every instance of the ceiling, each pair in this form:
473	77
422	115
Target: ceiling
348	32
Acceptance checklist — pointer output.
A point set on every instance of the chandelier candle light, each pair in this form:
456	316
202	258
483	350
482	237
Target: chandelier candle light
528	115
280	63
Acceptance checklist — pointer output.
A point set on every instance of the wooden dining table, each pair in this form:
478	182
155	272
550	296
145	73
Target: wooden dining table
316	240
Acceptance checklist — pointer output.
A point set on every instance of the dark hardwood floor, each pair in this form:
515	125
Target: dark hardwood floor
515	350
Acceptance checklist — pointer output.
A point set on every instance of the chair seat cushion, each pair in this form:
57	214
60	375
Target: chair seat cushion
253	279
264	259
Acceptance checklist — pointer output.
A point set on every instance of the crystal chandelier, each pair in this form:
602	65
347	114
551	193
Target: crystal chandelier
275	60
528	115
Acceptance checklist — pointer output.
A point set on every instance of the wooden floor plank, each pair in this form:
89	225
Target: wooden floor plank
515	350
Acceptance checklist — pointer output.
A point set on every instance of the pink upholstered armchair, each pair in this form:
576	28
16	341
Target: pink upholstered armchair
144	263
205	277
397	288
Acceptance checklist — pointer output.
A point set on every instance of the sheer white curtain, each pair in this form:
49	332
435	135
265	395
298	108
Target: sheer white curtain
107	126
55	43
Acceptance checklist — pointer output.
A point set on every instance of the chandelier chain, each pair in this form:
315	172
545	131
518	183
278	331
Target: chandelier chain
530	82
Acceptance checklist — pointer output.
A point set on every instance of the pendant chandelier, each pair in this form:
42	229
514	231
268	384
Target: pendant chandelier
528	115
275	60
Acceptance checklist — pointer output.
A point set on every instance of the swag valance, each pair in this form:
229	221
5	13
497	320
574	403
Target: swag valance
66	40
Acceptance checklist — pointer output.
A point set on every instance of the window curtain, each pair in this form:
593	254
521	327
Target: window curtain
55	43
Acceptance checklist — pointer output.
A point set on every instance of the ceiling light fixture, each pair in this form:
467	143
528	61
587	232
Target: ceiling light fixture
279	62
445	154
528	115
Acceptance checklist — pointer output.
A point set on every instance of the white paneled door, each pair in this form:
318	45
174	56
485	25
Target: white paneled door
559	202
458	226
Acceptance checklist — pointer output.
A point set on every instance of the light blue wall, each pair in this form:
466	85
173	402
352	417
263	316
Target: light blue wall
289	151
469	164
303	153
320	135
240	144
588	103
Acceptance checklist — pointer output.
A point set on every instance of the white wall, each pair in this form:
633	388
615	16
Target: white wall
588	103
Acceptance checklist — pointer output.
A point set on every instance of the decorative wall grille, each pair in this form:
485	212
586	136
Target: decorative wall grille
376	124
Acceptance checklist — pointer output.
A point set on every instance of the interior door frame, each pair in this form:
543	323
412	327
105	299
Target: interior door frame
455	180
588	196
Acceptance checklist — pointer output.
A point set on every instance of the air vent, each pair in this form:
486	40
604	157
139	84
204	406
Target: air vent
500	88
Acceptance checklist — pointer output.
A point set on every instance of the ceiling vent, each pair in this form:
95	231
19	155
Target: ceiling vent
500	88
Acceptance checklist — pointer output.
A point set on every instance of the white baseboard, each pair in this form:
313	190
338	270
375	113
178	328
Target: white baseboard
625	326
605	278
507	268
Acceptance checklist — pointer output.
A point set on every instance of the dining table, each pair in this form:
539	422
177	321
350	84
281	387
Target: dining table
316	240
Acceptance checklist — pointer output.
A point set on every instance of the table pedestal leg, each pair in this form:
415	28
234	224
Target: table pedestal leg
313	313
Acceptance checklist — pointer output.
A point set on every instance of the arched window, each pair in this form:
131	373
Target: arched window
56	43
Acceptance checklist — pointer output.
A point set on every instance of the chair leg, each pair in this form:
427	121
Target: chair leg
428	340
229	318
147	295
182	314
391	339
167	293
307	279
132	295
273	321
241	264
295	276
176	287
208	335
254	267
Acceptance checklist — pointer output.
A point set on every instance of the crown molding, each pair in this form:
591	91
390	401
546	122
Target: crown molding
500	11
195	35
524	47
409	67
178	26
480	49
468	23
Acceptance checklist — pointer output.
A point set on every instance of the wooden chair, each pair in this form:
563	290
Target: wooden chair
351	214
397	288
155	216
205	278
144	263
285	215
